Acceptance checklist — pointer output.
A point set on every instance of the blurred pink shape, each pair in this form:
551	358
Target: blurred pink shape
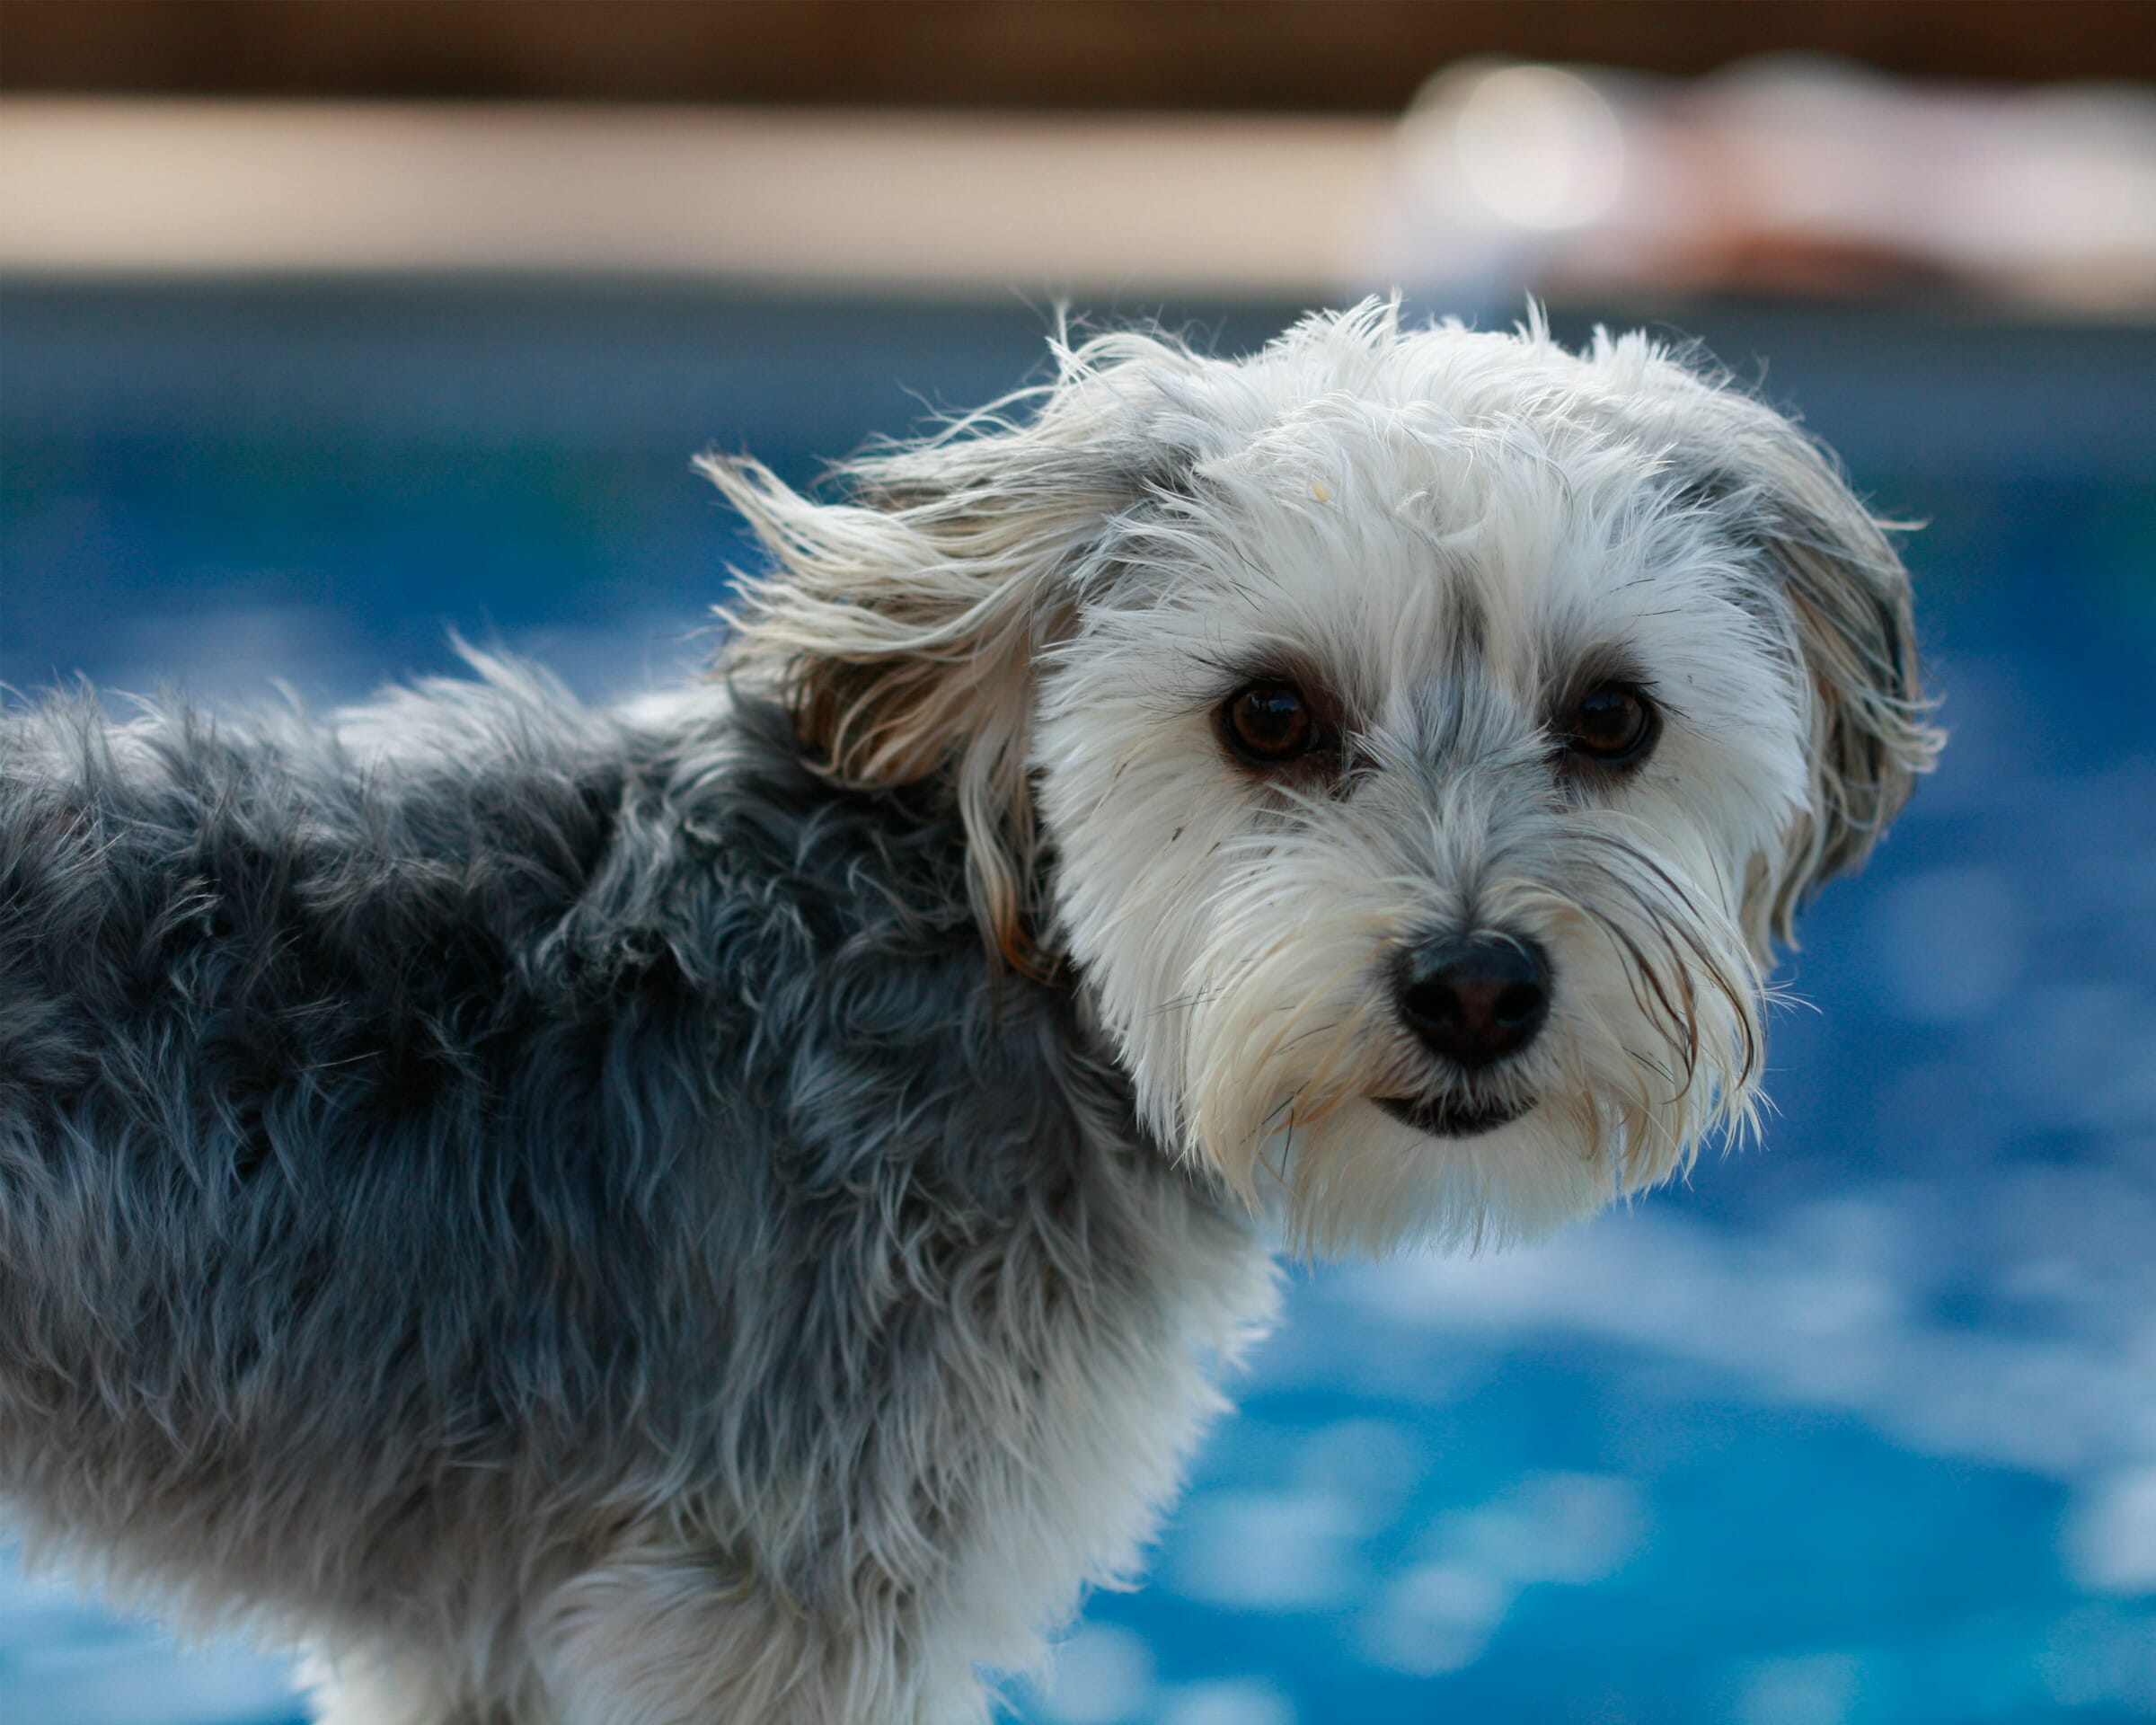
1785	173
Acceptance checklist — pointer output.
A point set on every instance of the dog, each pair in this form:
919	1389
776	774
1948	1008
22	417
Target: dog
736	1207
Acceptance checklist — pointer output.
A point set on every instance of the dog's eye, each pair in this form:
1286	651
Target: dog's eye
1268	722
1613	725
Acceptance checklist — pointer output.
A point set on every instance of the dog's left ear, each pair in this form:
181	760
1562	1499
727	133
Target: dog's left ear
1836	590
899	626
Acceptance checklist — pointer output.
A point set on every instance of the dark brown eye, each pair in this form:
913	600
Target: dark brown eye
1613	725
1268	722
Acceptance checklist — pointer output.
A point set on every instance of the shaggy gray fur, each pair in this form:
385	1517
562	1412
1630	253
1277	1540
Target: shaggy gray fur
427	1176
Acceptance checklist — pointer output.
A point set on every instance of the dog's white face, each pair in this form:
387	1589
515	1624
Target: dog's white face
1410	737
1402	791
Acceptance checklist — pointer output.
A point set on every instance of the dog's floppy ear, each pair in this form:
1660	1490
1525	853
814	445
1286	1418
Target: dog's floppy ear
1838	591
900	625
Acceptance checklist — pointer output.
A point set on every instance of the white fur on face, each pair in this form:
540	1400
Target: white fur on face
1446	546
1448	537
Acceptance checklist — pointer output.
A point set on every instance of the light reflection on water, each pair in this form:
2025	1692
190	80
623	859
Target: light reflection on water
1857	1428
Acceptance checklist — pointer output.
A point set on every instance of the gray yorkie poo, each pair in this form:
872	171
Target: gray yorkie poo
730	1209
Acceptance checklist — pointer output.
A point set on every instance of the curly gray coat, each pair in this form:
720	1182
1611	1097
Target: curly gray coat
559	1212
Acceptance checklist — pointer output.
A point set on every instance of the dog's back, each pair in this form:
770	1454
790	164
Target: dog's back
312	1194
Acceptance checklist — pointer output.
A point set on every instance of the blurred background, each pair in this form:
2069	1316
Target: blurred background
327	329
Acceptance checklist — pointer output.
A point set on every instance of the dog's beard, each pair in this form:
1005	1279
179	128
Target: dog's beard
1296	1079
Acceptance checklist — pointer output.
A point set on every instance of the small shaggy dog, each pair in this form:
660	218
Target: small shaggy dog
730	1209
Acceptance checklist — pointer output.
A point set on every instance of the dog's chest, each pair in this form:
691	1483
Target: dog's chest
967	1297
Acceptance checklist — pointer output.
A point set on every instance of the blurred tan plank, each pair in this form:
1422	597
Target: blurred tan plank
930	201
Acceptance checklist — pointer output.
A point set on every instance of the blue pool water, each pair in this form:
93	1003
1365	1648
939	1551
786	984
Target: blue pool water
1858	1428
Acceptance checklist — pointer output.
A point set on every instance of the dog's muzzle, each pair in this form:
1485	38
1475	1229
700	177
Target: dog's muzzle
1474	1001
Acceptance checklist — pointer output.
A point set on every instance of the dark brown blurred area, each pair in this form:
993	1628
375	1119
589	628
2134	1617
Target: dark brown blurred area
1337	56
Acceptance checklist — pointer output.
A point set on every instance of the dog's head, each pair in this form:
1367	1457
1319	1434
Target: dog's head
1412	739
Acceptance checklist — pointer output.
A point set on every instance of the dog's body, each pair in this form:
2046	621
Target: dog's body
573	1210
564	1212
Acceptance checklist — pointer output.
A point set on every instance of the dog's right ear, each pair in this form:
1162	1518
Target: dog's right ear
900	625
1848	601
1831	587
1839	594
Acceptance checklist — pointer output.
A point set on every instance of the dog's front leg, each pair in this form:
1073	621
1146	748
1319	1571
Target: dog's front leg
674	1637
381	1689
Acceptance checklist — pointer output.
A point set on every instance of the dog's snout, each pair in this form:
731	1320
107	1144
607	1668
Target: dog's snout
1476	1000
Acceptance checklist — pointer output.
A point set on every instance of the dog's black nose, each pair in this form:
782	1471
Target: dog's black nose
1475	1000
